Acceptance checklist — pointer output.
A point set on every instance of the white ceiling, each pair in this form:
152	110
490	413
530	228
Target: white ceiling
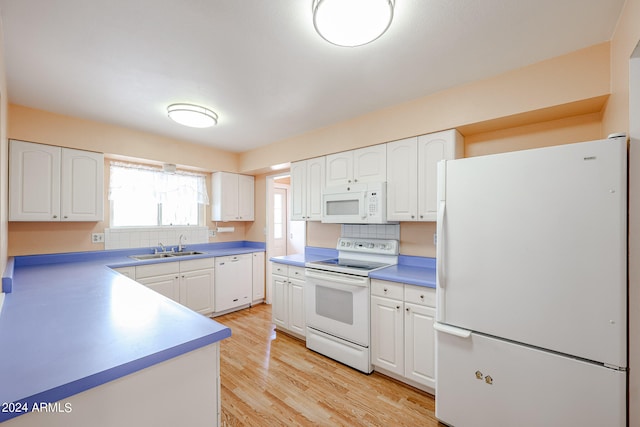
260	65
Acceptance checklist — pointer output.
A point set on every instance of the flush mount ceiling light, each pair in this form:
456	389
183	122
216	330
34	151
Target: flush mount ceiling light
352	22
191	115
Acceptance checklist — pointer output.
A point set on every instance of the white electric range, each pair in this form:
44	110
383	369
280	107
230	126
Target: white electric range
337	297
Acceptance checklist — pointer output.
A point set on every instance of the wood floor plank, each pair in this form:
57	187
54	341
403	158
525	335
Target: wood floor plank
271	379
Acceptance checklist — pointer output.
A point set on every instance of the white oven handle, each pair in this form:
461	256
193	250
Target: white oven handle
337	278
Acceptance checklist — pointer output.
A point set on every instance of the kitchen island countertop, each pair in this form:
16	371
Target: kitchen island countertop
71	323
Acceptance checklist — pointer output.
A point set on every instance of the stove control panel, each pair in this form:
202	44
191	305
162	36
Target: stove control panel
371	246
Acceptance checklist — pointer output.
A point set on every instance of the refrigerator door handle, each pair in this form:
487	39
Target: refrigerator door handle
451	330
440	245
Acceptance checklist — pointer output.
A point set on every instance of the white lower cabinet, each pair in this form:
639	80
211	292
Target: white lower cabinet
402	335
234	282
288	299
190	283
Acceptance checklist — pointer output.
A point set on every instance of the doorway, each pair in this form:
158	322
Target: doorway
283	236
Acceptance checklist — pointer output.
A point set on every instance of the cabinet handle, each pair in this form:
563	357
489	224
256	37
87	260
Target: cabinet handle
407	309
422	297
412	216
65	217
397	307
55	216
385	290
355	180
349	181
421	216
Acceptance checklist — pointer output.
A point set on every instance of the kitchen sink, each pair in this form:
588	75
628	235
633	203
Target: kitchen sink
151	256
144	257
186	253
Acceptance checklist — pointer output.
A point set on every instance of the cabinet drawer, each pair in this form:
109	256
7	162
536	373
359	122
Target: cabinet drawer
196	264
383	288
296	272
279	269
420	295
159	269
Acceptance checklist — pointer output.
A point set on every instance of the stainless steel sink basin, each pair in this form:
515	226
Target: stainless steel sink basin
186	253
144	257
150	256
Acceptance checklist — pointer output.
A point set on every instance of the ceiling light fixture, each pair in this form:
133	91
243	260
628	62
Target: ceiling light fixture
352	23
191	115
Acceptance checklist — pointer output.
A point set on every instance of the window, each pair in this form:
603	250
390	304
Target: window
143	196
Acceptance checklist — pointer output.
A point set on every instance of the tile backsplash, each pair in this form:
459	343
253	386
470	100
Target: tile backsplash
372	231
144	237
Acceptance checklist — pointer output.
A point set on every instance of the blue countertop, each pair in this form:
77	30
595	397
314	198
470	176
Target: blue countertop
419	271
71	323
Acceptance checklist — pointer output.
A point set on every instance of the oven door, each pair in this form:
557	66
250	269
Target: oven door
338	304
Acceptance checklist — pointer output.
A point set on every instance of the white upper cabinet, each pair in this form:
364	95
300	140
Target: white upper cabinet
402	180
412	174
50	183
82	197
232	197
307	182
367	164
432	148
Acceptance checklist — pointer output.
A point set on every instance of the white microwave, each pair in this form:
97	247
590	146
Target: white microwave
355	204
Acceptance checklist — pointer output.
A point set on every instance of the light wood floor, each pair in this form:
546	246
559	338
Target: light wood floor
270	379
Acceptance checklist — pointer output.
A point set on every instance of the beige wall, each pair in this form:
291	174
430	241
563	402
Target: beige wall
48	128
626	37
573	84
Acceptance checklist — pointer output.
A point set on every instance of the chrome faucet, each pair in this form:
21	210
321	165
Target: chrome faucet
181	247
161	247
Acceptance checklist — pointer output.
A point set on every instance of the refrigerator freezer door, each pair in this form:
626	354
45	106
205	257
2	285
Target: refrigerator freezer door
486	382
534	248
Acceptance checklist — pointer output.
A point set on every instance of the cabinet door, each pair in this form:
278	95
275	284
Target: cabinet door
34	184
82	184
387	342
420	344
280	306
339	169
315	185
258	276
196	290
299	191
297	321
167	285
370	164
224	194
245	198
402	180
432	148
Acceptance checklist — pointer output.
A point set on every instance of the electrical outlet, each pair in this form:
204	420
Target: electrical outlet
97	238
212	233
435	239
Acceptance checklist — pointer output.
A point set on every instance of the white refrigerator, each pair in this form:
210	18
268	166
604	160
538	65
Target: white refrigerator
531	321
